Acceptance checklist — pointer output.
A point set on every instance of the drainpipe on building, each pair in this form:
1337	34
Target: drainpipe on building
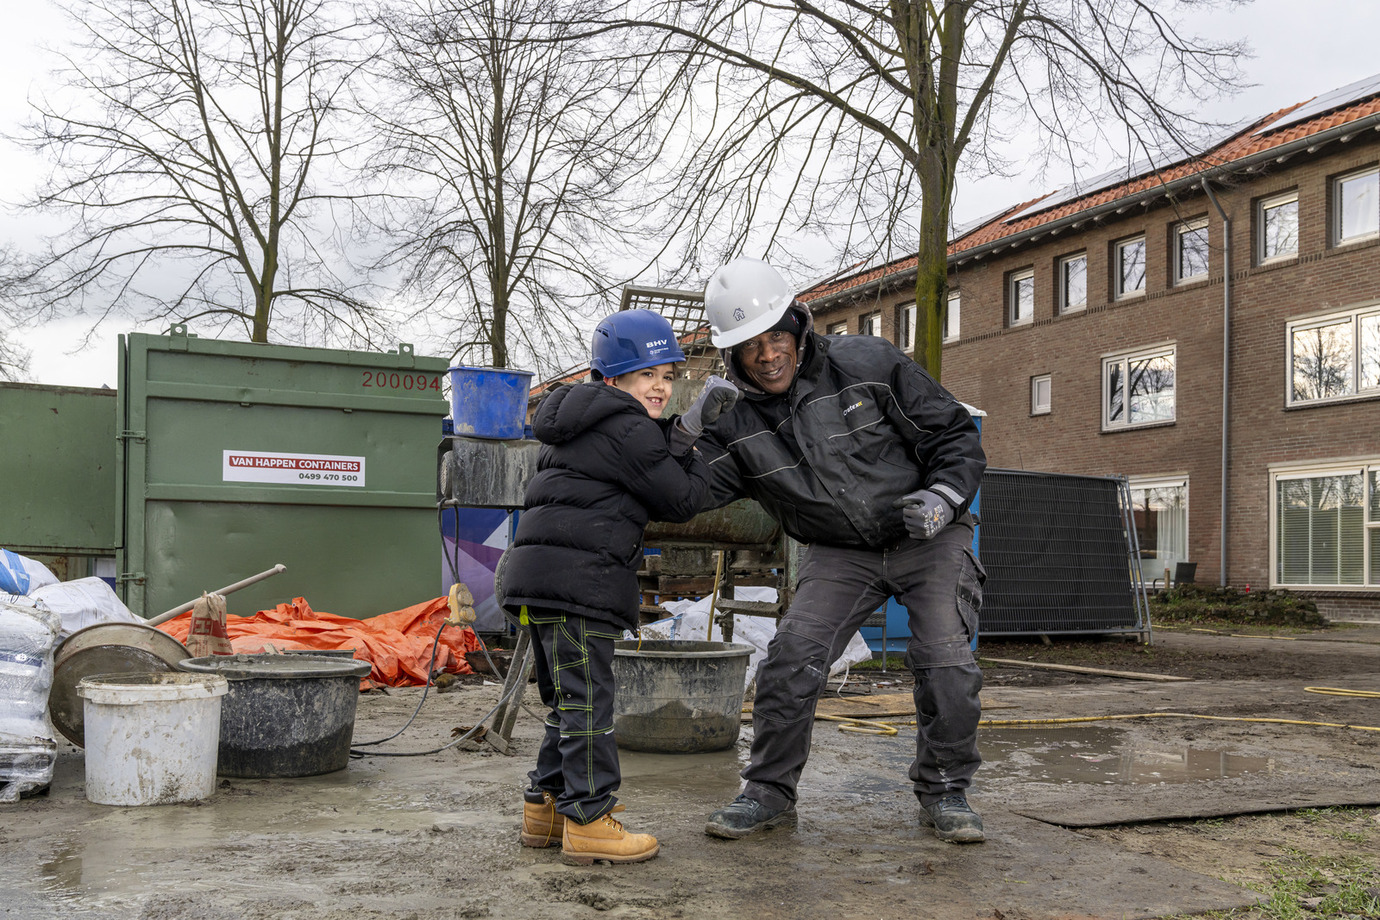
1226	376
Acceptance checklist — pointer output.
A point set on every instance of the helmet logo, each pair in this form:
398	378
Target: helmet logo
656	343
739	314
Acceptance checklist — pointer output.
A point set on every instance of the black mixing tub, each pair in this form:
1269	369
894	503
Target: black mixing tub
285	715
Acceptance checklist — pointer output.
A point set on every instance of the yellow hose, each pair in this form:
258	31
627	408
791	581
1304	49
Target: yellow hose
1339	691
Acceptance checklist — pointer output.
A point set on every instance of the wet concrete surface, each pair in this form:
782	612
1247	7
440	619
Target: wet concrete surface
436	836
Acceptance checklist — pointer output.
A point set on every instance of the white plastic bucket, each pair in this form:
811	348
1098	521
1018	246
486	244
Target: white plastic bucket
151	739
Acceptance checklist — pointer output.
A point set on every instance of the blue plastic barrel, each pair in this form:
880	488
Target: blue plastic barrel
489	402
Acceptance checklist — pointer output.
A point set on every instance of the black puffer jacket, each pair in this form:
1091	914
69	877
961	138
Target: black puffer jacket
604	470
861	426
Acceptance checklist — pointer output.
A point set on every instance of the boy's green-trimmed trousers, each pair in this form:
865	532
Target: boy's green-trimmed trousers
578	759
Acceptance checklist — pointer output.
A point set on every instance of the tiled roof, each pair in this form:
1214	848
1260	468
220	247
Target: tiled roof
1255	139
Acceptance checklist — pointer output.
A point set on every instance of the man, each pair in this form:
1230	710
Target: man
860	454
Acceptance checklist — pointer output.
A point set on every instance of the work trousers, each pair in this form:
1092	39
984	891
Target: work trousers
578	760
939	582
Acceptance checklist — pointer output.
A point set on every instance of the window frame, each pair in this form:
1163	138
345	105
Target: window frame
1013	282
1356	392
1181	229
870	323
905	338
1125	358
1369	470
952	311
1337	238
1062	282
1119	277
837	328
1270	203
1149	483
1036	408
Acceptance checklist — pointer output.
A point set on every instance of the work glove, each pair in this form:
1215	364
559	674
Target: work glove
925	513
717	397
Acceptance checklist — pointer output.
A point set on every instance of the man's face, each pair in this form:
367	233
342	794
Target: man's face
769	360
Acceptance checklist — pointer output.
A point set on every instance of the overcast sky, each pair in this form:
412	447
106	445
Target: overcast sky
1301	50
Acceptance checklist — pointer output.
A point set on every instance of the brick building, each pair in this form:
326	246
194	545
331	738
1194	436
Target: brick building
1096	326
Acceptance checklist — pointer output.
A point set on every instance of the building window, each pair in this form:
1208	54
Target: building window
1040	394
1130	267
871	324
1020	295
1277	227
1356	203
1073	282
1335	356
1160	510
951	318
1191	251
1327	526
1138	389
907	340
839	328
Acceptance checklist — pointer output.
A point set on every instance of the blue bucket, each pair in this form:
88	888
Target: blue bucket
489	402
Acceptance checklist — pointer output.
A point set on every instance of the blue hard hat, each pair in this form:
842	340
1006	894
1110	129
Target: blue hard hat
631	340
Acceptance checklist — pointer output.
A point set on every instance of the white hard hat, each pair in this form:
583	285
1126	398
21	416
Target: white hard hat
743	299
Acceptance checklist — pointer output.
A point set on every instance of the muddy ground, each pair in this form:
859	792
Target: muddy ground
1174	801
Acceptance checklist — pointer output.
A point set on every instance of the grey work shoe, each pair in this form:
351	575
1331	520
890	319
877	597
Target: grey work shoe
747	816
953	819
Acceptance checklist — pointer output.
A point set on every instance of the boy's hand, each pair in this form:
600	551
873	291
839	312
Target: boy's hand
717	397
925	513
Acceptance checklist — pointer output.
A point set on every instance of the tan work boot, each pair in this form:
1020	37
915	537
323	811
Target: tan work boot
542	825
605	839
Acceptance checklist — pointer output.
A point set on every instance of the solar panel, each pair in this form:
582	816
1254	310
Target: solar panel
1127	173
1086	187
1352	92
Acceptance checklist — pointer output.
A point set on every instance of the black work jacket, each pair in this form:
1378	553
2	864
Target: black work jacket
861	426
603	471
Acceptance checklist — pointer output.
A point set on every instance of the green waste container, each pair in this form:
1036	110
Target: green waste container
239	456
57	466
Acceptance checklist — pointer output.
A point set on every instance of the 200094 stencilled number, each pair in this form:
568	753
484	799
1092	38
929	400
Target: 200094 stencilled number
393	380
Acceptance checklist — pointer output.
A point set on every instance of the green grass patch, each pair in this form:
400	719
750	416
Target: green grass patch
1304	886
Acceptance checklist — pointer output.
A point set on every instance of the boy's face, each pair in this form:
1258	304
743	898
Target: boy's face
650	386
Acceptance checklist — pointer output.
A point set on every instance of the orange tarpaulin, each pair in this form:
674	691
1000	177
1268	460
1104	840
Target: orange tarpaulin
397	644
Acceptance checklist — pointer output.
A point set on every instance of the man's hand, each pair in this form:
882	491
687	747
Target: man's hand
925	513
717	397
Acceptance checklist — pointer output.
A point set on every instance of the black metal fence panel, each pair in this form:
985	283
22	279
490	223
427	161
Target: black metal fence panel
1059	555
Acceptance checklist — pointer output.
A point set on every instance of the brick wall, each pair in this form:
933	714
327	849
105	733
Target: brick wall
991	364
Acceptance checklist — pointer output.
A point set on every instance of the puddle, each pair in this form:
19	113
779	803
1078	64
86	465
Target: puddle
1098	756
1103	756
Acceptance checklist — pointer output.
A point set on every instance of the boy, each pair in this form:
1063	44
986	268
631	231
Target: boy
608	464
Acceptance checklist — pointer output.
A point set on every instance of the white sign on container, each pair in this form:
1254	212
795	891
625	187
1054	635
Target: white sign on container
296	469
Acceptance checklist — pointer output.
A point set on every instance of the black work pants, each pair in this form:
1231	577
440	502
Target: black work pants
578	760
938	581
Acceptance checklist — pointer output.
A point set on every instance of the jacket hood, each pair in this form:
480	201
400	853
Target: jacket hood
569	410
808	346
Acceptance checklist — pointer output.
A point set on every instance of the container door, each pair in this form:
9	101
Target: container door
57	470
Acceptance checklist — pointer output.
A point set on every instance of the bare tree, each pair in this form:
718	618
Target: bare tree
864	112
521	148
191	147
14	360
